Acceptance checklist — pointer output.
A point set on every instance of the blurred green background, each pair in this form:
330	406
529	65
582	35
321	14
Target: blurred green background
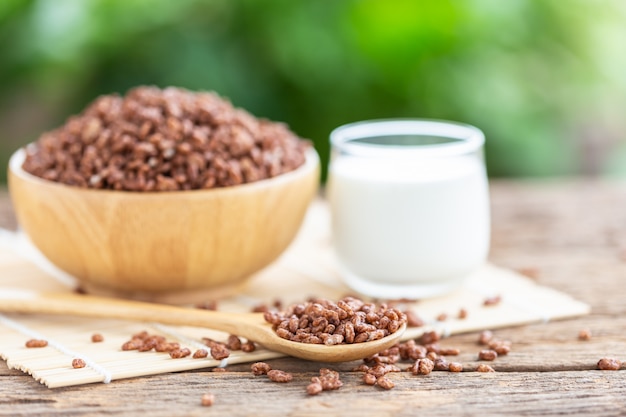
545	79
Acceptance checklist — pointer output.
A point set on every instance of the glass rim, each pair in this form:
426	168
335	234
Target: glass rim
467	138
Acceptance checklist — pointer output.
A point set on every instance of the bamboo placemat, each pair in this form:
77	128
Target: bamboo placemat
306	269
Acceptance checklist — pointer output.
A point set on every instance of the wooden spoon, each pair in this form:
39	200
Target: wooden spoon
252	326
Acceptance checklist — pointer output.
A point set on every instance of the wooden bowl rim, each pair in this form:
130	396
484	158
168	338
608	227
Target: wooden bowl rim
310	165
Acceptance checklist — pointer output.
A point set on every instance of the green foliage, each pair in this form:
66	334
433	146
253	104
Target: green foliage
531	74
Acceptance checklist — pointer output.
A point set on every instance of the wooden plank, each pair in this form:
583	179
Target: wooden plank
573	233
7	217
439	394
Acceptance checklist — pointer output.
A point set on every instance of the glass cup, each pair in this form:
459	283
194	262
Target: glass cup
410	205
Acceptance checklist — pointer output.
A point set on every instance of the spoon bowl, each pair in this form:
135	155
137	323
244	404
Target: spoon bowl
252	326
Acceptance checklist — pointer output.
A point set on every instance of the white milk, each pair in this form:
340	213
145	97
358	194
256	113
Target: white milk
407	228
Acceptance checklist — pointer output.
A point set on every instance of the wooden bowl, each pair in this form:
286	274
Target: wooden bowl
162	241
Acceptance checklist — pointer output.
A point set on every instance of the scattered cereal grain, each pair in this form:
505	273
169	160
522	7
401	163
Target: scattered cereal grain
609	364
369	379
423	366
233	342
455	367
207	305
180	353
248	347
429	337
412	319
485	337
483	367
449	351
207	400
492	301
502	347
279	376
219	352
36	343
385	383
441	364
78	363
200	354
260	368
487	355
314	388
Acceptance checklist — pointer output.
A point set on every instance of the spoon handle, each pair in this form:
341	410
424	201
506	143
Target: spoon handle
24	301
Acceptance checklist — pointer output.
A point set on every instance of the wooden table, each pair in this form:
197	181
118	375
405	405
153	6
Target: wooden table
570	234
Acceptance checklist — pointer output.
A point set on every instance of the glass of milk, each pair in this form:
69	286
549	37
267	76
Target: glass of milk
410	205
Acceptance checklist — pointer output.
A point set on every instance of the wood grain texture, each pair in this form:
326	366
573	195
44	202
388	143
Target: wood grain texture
439	394
7	215
570	234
